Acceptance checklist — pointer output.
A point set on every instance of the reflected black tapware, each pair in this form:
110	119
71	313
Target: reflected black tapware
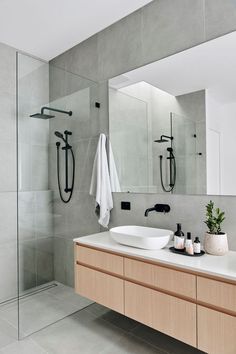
171	158
66	148
42	115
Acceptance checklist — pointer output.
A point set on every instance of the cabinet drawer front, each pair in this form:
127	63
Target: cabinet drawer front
216	332
165	313
216	293
99	287
161	278
102	260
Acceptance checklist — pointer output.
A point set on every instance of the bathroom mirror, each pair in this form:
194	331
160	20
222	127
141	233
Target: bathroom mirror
173	123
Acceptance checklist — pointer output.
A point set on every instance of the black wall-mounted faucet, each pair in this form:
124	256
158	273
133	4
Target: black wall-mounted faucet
160	208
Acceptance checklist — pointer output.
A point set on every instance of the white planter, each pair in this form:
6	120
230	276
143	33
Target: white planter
216	244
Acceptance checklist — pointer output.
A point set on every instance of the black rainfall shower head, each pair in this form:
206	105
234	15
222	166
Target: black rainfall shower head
161	141
164	139
42	115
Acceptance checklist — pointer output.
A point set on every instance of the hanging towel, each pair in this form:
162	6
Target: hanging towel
115	183
100	186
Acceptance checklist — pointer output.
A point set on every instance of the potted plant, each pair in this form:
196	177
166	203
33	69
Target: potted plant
215	241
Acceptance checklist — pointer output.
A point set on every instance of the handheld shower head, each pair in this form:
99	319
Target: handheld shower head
59	135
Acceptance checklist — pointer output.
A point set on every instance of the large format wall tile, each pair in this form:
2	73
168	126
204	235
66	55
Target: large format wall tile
8	117
119	46
8	166
220	17
8	211
8	271
76	60
171	26
7	69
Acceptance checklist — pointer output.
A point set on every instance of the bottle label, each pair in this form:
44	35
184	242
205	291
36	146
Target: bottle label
179	242
197	247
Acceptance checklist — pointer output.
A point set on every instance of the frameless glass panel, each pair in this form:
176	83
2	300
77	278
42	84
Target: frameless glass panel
50	100
129	141
189	179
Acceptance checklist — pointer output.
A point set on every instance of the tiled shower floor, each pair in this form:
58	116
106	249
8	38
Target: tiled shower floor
92	330
42	308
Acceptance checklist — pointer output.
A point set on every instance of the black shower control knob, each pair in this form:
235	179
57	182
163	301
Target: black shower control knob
67	132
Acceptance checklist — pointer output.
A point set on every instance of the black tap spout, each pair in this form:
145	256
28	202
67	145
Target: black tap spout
160	208
147	211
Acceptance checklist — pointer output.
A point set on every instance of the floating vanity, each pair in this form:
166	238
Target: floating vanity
190	299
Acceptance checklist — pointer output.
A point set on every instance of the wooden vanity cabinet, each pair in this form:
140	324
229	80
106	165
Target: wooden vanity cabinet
168	314
100	287
194	308
160	278
216	316
216	331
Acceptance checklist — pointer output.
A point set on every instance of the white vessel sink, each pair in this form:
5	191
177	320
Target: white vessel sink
148	238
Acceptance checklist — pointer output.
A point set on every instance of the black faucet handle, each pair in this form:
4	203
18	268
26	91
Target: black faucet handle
162	208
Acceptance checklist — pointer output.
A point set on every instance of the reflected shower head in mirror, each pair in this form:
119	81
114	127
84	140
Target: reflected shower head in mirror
61	136
42	115
164	139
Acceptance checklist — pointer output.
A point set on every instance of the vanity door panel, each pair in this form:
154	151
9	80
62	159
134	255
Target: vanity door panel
217	293
103	261
161	278
216	331
165	313
100	287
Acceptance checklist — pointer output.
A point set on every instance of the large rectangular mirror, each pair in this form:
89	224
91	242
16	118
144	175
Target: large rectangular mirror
173	123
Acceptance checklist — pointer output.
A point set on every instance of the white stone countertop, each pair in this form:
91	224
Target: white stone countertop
217	266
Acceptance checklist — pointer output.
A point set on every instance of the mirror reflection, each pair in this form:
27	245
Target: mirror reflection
172	123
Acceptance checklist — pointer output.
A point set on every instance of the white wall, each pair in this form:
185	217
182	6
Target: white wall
221	145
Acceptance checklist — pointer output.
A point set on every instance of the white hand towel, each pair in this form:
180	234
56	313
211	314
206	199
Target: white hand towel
115	183
100	186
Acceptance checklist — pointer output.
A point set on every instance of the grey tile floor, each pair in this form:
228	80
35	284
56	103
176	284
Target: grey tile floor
92	330
40	309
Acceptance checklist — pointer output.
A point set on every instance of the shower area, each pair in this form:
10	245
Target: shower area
58	125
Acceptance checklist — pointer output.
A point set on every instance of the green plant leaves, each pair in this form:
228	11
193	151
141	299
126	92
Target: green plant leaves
214	218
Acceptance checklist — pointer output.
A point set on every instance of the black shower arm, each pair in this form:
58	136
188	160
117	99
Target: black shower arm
55	110
167	137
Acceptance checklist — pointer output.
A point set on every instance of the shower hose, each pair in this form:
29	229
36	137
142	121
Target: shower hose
172	183
58	175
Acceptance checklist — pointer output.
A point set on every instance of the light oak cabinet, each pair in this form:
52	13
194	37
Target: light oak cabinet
163	312
219	294
191	307
99	287
100	260
216	331
161	278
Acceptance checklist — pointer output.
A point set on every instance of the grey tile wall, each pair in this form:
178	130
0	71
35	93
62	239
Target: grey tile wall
161	28
36	264
8	250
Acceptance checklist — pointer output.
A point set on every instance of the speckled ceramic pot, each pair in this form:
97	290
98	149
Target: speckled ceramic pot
216	245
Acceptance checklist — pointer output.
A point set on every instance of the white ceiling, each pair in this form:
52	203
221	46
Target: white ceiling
211	65
47	28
